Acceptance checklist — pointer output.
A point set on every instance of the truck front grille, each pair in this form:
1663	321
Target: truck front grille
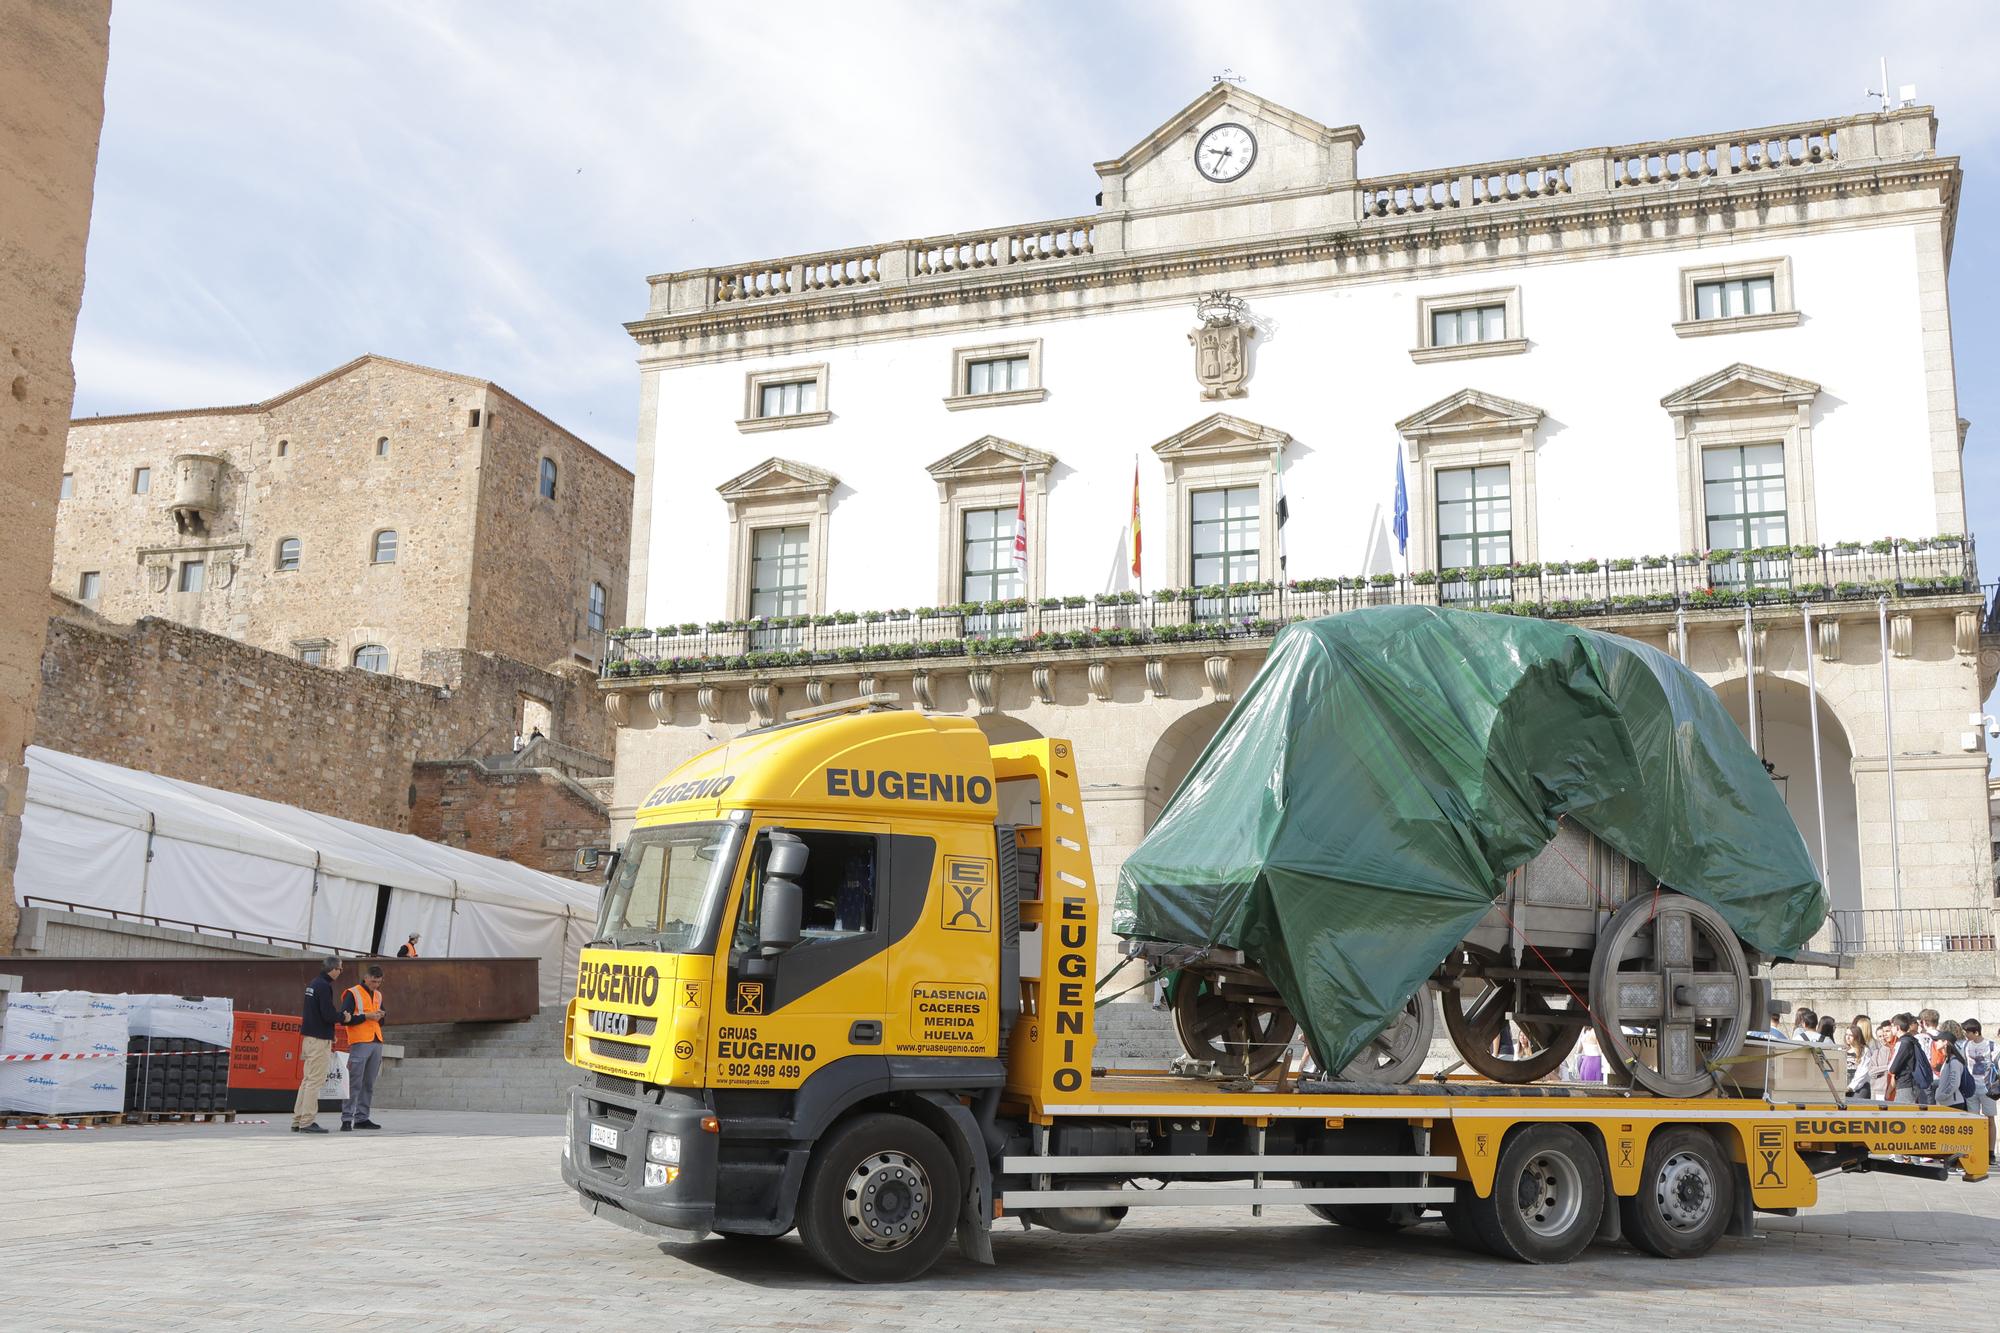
619	1050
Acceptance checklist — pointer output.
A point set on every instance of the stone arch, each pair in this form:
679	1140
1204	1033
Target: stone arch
1784	721
1174	754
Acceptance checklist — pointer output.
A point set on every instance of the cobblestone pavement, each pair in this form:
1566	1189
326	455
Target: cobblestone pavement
459	1221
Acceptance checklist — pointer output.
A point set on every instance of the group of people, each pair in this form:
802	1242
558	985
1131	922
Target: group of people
1916	1059
359	1009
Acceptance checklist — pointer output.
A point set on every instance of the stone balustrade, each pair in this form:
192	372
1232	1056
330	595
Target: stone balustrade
1755	154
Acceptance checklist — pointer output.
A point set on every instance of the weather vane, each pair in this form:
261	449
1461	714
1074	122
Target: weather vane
1227	76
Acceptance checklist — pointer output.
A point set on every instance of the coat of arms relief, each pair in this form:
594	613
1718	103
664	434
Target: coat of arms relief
1222	345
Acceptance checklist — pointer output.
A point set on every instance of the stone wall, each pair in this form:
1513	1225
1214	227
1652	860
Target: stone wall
537	817
52	65
536	558
193	705
1957	985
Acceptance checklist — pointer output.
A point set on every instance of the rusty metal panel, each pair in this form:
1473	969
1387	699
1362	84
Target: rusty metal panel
417	990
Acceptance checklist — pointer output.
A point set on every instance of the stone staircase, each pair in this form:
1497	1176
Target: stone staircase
478	1067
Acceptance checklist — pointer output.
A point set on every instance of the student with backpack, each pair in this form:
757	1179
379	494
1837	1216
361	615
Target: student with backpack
1982	1061
1954	1080
1910	1076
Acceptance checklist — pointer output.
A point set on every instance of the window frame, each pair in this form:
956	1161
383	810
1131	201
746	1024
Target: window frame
986	474
278	565
754	384
548	479
375	546
200	579
90	586
959	398
66	488
1471	429
381	446
777	493
1215	453
354	658
1513	339
1739	573
1478	592
1784	313
312	652
142	479
596	606
1776	408
804	564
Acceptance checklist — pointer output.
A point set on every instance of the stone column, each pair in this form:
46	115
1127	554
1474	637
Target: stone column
52	65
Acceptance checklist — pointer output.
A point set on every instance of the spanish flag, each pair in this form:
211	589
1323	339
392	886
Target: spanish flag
1135	516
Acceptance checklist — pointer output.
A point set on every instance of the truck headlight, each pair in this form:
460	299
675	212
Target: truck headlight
664	1147
657	1175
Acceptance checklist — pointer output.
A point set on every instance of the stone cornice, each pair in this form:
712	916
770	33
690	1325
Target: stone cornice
1574	226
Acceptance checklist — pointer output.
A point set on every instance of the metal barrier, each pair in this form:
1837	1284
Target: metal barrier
1912	930
196	927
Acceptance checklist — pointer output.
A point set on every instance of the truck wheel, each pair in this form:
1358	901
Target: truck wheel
1458	1219
1687	1194
1378	1217
1548	1194
880	1199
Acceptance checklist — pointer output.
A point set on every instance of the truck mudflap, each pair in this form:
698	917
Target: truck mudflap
608	1162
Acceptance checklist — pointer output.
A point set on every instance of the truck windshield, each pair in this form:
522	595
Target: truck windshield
669	887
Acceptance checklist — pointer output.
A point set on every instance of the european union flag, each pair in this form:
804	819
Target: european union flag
1401	522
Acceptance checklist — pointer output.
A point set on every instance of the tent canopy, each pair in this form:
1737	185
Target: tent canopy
103	836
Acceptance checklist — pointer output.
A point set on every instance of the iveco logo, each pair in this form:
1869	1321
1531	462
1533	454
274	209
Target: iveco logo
609	1023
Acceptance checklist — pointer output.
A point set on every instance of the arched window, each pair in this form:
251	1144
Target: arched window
597	608
372	657
383	552
284	448
288	554
382	447
548	478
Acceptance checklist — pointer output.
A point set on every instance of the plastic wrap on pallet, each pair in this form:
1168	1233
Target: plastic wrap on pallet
204	1018
62	1023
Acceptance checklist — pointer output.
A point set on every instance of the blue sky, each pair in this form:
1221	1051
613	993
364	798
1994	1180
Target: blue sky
484	186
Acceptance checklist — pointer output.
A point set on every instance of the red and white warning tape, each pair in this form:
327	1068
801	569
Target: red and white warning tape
111	1055
47	1124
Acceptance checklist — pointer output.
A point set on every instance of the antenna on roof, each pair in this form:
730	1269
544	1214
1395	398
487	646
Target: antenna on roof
1883	91
1228	75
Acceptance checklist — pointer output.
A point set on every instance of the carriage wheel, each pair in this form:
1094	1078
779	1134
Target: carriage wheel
1398	1050
1671	992
1475	1007
1242	1038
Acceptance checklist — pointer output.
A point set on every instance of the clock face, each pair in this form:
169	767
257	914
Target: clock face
1225	153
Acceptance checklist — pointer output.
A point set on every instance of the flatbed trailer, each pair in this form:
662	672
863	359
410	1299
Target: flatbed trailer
916	1061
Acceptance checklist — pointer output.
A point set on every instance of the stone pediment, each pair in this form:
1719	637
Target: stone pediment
1294	152
1740	386
1222	434
778	476
1470	412
989	455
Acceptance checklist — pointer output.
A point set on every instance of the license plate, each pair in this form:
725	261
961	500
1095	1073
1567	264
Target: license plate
604	1136
609	1023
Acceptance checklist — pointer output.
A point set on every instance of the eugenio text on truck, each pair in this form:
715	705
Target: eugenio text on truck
843	980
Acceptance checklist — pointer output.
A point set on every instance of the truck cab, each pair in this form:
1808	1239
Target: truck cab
810	920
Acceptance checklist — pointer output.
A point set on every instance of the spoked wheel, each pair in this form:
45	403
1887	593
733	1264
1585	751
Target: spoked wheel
1242	1036
1475	1007
1398	1050
1671	991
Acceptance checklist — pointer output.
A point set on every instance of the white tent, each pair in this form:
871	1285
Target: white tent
112	838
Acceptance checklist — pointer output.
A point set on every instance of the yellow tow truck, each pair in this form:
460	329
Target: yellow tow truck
843	980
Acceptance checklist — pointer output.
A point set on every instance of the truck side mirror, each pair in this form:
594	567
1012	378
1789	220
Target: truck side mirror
781	913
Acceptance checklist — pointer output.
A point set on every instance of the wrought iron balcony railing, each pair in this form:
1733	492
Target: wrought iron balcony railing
1565	590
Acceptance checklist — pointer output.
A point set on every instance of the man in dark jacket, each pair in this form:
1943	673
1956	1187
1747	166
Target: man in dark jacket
1912	1082
316	1022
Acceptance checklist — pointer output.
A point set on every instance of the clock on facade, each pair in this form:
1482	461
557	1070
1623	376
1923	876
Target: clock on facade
1225	152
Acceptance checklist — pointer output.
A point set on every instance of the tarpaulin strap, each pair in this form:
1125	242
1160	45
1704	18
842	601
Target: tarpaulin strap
1585	1004
1137	985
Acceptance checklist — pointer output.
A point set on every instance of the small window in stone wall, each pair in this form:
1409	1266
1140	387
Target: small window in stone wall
192	575
68	486
372	657
382	447
383	551
89	585
284	447
472	417
548	480
313	654
288	554
142	480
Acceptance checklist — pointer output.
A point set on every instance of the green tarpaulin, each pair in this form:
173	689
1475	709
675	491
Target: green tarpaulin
1361	807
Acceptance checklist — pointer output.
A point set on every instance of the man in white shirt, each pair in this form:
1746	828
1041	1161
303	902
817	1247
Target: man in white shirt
1982	1058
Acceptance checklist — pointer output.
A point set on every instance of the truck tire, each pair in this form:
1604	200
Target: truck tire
1687	1194
1547	1199
880	1199
1377	1217
1458	1219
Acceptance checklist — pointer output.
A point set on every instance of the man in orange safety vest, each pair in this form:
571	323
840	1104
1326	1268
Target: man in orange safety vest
361	1014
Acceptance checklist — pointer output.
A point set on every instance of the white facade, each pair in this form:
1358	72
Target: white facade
1598	395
